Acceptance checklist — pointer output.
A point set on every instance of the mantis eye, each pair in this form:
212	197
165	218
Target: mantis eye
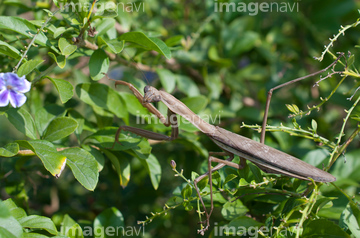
146	89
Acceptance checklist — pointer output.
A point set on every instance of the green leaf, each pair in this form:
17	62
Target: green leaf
111	217
9	50
106	138
214	56
106	13
187	86
44	115
15	211
233	209
65	47
83	166
75	232
22	120
133	105
174	40
186	192
242	222
350	219
99	156
8	224
28	67
103	96
9	150
323	228
24	27
52	160
314	125
98	64
229	178
66	224
292	108
202	183
167	79
6	233
153	167
61	30
64	88
38	222
121	165
60	59
195	104
60	128
114	45
148	43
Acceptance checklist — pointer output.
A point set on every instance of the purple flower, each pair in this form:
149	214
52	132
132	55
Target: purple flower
12	89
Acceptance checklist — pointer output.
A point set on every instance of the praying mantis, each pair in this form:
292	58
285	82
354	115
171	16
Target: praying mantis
268	159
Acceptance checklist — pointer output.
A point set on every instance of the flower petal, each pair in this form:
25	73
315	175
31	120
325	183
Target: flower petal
2	82
4	98
18	84
17	99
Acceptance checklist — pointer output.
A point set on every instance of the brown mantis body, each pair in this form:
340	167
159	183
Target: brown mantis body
265	157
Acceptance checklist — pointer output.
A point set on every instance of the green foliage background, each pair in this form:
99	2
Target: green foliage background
221	64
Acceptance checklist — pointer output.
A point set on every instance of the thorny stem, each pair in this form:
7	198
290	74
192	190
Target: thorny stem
341	32
34	38
262	137
307	210
336	152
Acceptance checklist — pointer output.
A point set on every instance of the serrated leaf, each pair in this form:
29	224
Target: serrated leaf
28	67
83	166
22	120
148	43
9	150
60	128
38	222
98	64
64	88
103	96
47	152
65	47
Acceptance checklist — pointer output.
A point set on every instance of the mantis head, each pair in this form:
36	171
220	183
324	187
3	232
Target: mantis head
151	95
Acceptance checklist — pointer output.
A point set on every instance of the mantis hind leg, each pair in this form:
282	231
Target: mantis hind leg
221	163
